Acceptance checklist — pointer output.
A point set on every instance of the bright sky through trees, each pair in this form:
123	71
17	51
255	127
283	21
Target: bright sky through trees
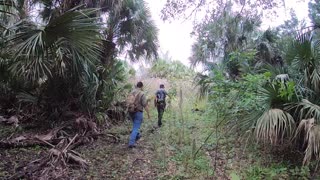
175	37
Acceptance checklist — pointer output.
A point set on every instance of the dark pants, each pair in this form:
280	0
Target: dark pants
160	108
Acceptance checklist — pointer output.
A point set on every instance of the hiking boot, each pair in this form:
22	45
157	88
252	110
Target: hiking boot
137	138
159	123
131	146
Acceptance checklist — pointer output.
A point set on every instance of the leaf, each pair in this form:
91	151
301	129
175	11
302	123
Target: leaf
274	125
311	133
308	110
133	30
72	39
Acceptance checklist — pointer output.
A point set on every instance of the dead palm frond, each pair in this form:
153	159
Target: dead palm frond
273	126
308	110
313	144
311	133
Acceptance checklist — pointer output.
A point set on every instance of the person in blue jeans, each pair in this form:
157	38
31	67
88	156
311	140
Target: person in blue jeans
137	117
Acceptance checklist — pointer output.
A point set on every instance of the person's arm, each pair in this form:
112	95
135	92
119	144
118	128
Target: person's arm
147	111
155	99
145	105
167	94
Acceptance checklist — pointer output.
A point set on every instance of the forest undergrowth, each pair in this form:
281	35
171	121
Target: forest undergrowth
189	145
64	81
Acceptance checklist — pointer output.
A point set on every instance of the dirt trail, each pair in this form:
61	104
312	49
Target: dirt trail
142	162
116	160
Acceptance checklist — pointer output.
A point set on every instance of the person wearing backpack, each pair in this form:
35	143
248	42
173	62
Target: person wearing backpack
160	103
137	102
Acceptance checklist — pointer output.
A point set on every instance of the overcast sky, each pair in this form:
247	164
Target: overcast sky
175	37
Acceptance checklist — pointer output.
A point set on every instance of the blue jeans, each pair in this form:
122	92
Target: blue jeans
137	121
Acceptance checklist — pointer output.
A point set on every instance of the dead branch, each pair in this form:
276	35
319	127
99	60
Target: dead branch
77	159
72	140
46	142
26	143
55	162
30	140
13	120
112	136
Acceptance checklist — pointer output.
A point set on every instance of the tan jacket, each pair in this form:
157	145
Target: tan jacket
141	101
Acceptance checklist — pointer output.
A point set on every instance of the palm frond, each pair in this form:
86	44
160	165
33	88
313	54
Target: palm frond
105	5
8	7
274	70
27	98
4	73
116	75
73	37
89	85
315	79
311	133
303	55
265	52
202	53
205	84
313	144
247	123
268	95
308	110
273	126
133	30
